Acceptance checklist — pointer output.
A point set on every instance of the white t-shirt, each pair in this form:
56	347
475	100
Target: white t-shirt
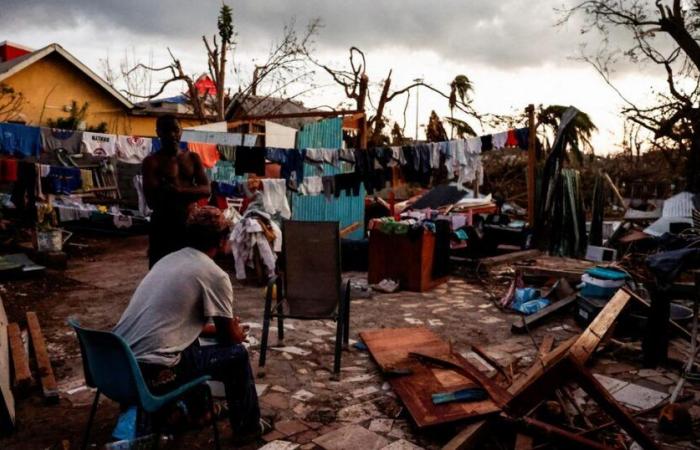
171	305
99	144
132	149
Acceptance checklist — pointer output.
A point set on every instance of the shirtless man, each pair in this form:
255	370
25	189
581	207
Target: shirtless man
173	181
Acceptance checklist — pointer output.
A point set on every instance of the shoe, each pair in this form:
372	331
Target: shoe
247	437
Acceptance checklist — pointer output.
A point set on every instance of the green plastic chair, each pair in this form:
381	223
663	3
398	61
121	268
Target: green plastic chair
111	368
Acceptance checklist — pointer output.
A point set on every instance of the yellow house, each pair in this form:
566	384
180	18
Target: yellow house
50	79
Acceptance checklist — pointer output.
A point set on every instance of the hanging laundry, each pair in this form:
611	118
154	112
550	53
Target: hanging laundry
132	149
486	142
523	137
227	152
98	144
23	194
293	166
275	197
250	160
311	186
397	155
347	182
512	140
144	210
8	170
19	139
347	155
86	179
499	140
64	180
212	137
456	158
435	150
250	140
328	186
276	155
277	135
474	145
208	153
54	139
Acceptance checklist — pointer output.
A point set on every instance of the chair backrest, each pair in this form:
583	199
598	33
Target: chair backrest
311	258
110	366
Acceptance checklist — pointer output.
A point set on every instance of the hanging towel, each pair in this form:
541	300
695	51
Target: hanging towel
512	140
19	139
54	139
275	197
434	155
250	160
208	153
98	144
499	140
132	149
277	135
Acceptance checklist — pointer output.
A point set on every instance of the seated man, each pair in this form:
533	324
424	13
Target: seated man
169	311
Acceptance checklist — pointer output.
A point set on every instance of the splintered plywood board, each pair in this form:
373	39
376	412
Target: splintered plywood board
586	344
390	349
7	401
43	363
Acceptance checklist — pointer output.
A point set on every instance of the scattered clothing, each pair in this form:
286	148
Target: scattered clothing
255	230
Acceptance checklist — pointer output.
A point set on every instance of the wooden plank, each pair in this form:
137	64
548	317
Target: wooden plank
552	434
549	272
523	324
7	400
539	367
390	349
607	402
468	438
586	344
546	345
20	362
350	229
48	381
522	442
509	257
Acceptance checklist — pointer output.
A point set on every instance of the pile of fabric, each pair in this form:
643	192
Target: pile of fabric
255	231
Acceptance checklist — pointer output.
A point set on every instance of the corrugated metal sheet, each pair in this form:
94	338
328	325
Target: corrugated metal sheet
345	209
327	133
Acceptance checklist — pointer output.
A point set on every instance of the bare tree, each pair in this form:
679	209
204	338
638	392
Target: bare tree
665	34
355	83
135	84
11	103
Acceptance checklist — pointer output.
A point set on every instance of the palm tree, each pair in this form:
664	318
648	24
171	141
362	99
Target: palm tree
578	135
459	88
460	126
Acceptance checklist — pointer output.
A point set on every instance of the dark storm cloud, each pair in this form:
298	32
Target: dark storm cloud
507	34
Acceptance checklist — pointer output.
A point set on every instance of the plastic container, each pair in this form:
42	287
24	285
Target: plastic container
587	309
599	288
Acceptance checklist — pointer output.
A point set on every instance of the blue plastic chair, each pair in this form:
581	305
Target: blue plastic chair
111	368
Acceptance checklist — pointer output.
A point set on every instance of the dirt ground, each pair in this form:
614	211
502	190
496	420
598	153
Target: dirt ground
297	392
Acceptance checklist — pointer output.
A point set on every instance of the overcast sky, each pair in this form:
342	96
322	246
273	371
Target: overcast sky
510	49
